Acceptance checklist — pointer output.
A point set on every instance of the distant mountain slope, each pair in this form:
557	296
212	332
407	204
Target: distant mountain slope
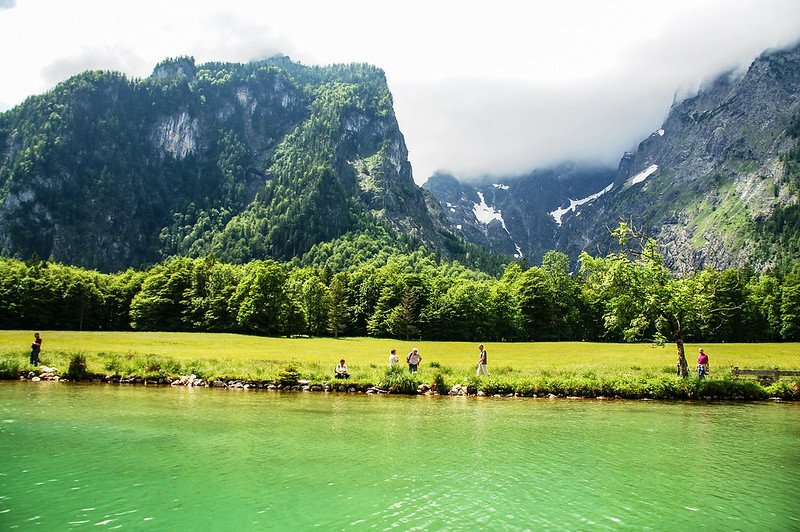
244	161
702	183
715	184
516	216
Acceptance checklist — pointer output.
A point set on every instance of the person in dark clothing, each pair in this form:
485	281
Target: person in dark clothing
36	348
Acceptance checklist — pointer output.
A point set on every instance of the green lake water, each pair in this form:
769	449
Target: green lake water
133	457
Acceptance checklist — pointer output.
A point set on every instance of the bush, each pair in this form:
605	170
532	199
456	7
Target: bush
288	376
9	368
397	380
77	367
789	390
438	384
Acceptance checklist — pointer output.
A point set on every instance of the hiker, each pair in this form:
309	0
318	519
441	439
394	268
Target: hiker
36	348
702	365
482	367
413	359
393	358
341	370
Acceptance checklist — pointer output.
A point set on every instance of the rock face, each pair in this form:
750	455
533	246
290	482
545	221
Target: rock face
244	161
521	216
700	184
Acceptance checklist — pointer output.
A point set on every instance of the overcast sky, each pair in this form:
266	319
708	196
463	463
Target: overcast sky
480	88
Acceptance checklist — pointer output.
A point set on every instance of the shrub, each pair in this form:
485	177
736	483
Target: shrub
397	380
784	390
288	376
9	368
438	385
77	367
729	389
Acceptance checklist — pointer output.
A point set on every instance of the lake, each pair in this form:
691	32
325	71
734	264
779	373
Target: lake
109	456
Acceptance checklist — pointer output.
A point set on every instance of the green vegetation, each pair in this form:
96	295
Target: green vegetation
240	161
778	235
561	368
411	297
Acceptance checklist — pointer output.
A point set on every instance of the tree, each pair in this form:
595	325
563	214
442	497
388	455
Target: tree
339	317
640	296
536	305
790	307
161	303
261	297
566	295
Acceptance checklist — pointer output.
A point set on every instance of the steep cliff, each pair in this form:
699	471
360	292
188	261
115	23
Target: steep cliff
714	184
704	180
244	161
518	216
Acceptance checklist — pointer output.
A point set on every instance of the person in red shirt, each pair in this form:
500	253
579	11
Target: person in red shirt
702	364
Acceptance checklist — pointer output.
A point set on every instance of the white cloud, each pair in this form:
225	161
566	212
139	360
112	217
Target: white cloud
479	89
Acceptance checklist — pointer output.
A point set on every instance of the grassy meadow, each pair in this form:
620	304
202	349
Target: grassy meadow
586	368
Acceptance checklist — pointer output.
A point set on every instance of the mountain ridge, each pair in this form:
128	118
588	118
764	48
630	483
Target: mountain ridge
701	184
242	161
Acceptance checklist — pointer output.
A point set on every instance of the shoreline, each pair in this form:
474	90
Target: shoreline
738	390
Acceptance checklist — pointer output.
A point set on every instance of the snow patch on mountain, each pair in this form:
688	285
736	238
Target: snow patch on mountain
486	214
559	213
644	174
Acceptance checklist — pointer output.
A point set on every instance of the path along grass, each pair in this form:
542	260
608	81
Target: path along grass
251	357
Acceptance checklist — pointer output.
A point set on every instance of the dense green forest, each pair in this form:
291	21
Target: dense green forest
619	297
265	160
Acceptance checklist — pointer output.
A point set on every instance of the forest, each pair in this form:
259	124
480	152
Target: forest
628	295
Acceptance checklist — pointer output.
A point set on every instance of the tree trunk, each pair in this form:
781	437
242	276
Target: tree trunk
683	366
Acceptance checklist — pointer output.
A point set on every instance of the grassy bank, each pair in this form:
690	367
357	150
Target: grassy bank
564	368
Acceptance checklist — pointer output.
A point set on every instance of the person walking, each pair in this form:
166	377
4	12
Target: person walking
36	348
483	369
413	359
393	358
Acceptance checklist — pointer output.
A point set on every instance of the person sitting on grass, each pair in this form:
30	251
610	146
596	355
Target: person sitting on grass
341	371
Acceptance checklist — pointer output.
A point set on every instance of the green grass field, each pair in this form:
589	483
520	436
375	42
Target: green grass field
253	356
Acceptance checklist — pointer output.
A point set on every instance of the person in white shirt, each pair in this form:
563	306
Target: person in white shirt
413	359
482	367
341	371
393	358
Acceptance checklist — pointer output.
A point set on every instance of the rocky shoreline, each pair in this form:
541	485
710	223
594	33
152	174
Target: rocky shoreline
194	381
300	386
457	390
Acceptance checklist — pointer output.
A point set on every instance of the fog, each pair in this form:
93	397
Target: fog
481	89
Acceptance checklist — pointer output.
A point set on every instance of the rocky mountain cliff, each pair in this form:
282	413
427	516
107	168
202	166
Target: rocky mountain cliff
243	161
706	184
515	216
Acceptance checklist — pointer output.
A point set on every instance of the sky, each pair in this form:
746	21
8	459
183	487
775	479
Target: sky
481	89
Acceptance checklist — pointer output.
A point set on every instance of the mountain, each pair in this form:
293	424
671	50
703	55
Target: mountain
242	161
717	185
515	216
